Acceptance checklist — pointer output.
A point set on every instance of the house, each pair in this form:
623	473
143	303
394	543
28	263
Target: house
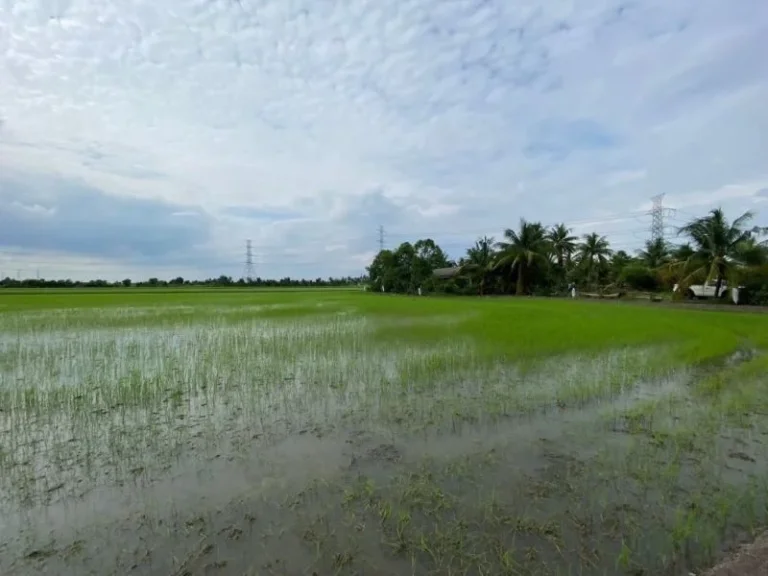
446	273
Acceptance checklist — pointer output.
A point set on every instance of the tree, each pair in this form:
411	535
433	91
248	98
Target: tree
592	255
479	261
534	259
428	256
619	260
717	246
655	255
562	244
682	252
638	276
752	252
382	271
521	250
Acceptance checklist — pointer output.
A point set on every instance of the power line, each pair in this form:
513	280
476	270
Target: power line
230	260
62	261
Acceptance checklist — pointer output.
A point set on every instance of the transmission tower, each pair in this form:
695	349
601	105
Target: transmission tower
248	272
658	212
657	218
381	238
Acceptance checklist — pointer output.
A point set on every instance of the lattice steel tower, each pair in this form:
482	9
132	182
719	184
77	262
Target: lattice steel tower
248	271
657	218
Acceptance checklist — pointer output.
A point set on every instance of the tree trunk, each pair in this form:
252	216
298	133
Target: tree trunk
520	282
718	285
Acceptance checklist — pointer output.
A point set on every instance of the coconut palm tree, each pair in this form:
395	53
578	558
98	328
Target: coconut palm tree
593	254
682	252
656	253
520	250
479	261
717	246
562	244
752	252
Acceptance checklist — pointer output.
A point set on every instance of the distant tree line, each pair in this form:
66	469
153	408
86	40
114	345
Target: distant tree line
536	260
221	281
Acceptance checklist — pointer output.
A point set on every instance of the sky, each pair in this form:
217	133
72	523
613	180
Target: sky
143	138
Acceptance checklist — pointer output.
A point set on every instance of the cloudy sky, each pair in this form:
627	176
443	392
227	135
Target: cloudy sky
141	137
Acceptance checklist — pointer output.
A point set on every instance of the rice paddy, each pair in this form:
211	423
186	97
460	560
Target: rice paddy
331	432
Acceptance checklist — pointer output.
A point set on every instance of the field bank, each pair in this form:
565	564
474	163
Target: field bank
348	433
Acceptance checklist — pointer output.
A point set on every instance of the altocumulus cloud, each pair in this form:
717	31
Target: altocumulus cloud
169	132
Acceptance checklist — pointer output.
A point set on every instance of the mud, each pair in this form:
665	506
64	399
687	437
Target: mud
313	451
311	502
749	560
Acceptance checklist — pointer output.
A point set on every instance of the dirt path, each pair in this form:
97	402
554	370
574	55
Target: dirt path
680	305
749	560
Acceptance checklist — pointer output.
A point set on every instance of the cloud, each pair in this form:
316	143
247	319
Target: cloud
305	127
50	214
624	177
718	196
556	139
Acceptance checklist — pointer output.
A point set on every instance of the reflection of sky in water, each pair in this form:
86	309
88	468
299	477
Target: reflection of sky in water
54	358
114	404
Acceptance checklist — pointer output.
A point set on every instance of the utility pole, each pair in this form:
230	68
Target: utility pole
381	238
248	261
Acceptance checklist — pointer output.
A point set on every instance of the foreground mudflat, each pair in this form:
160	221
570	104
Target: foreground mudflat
341	433
750	560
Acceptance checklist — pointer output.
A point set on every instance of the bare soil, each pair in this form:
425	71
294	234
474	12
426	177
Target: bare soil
742	309
749	560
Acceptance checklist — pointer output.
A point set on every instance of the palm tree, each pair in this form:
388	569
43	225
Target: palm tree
682	252
752	252
593	253
479	260
520	250
562	244
717	246
655	254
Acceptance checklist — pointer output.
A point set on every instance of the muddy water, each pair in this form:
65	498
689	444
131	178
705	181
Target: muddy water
274	449
279	507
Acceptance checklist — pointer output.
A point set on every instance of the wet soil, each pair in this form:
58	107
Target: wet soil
333	502
749	560
303	485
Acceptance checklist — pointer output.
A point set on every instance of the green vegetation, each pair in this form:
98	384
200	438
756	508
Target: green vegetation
180	283
534	260
338	432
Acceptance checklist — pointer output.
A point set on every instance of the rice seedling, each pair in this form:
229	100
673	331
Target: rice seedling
341	433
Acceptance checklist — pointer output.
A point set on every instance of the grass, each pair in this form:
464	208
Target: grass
338	432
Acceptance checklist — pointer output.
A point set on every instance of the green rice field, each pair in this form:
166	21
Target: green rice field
346	433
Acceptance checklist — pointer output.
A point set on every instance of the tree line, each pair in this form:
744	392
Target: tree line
537	260
221	281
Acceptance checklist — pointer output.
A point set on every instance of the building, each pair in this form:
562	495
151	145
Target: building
446	273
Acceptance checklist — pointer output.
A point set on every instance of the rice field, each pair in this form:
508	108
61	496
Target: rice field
332	432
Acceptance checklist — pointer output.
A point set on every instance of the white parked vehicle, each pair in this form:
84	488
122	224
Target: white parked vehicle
708	290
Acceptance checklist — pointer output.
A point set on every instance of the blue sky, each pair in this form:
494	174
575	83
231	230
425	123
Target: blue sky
153	138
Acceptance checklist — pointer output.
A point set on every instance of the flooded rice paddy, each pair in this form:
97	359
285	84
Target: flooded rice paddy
359	434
